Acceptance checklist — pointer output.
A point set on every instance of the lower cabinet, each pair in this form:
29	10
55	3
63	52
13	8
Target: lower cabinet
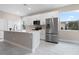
1	35
42	34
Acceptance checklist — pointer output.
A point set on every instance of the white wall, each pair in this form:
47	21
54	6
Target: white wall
69	35
29	19
7	20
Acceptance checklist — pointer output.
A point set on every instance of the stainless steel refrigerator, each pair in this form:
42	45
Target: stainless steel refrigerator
52	30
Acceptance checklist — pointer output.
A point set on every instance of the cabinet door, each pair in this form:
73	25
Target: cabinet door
1	35
3	26
42	34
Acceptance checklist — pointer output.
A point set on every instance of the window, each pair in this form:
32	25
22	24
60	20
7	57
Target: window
70	25
69	20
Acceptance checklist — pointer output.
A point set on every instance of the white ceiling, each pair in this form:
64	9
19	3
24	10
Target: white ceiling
21	10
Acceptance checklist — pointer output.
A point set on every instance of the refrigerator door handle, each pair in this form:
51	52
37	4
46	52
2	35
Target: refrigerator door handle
48	26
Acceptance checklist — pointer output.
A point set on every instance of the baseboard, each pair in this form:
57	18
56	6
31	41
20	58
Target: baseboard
69	41
18	45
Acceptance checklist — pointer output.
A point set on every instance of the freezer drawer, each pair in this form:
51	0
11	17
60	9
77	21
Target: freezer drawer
52	37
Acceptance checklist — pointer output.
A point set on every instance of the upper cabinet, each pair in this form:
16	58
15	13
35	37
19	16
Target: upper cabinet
29	19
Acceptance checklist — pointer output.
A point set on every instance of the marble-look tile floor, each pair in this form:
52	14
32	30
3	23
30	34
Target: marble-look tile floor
9	49
62	48
45	48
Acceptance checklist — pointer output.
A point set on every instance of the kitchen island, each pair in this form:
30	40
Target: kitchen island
29	40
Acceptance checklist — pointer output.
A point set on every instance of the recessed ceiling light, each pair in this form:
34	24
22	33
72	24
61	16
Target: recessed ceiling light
25	4
29	8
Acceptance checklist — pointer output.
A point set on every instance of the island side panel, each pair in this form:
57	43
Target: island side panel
36	40
23	39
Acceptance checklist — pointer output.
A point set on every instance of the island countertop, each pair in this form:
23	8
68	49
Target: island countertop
26	31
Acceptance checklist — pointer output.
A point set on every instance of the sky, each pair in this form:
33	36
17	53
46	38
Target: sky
69	16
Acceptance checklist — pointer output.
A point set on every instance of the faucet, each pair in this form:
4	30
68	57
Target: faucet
15	27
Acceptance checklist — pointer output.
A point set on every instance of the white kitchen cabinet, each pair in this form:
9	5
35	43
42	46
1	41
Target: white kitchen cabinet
3	26
1	35
42	34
